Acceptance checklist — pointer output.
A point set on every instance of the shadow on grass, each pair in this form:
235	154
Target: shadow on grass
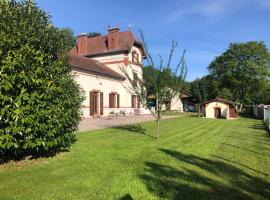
247	115
126	197
251	151
240	164
262	126
169	182
134	128
9	156
248	140
30	155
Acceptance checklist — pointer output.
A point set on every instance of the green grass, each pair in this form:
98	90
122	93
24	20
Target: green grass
195	159
175	113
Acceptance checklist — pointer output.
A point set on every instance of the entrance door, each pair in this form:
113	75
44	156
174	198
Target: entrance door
217	113
95	103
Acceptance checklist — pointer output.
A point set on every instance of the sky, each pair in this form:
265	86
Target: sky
205	28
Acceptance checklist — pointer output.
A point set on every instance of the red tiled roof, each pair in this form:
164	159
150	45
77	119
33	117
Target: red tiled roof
92	65
184	94
99	44
220	100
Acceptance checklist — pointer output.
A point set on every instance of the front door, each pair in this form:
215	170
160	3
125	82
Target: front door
217	112
96	103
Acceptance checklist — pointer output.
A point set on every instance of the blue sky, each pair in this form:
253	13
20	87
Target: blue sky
203	27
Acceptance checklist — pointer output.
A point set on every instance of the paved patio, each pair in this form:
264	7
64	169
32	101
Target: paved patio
105	122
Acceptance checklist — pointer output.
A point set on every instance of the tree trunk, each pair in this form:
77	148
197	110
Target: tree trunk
158	122
158	114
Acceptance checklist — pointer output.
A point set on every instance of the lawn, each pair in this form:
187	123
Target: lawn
175	113
195	159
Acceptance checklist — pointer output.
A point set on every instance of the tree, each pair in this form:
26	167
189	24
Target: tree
165	82
241	69
203	89
94	34
195	91
150	76
40	100
68	38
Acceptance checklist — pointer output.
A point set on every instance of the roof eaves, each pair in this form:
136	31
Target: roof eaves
120	77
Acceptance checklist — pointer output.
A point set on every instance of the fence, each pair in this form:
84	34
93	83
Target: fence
258	111
266	117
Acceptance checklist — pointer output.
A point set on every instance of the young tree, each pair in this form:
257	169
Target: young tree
240	69
40	100
165	83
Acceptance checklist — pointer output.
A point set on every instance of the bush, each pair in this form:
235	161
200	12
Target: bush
39	98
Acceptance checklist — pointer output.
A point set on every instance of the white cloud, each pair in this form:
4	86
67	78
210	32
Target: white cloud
208	8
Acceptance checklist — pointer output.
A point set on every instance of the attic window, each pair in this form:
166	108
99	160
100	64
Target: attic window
135	78
135	58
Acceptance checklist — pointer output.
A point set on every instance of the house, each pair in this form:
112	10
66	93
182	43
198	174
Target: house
180	103
97	63
220	108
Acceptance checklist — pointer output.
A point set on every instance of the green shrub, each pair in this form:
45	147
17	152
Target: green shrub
39	98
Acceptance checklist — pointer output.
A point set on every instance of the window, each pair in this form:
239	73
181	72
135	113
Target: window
135	58
114	100
135	102
135	78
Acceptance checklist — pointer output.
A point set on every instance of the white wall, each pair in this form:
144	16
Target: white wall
210	109
89	81
176	104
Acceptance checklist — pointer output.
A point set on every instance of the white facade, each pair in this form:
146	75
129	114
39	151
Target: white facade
210	109
177	104
102	84
99	63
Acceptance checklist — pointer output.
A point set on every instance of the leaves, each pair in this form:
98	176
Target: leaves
241	69
40	101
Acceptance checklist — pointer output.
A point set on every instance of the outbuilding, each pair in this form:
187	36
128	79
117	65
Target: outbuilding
220	108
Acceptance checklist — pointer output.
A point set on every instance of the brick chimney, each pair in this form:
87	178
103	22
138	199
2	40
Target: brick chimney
82	44
113	38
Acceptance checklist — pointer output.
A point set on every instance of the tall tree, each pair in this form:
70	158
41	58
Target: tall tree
240	69
195	91
94	34
165	83
40	99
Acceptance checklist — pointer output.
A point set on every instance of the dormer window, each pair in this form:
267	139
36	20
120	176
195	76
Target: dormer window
135	58
135	78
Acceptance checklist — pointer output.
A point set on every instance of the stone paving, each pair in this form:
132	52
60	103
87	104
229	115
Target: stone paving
104	122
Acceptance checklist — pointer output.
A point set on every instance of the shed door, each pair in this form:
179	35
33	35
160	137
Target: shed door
217	112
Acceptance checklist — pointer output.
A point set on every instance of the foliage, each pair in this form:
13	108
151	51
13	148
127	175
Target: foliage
165	82
94	34
68	38
235	75
241	70
203	89
40	100
150	76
